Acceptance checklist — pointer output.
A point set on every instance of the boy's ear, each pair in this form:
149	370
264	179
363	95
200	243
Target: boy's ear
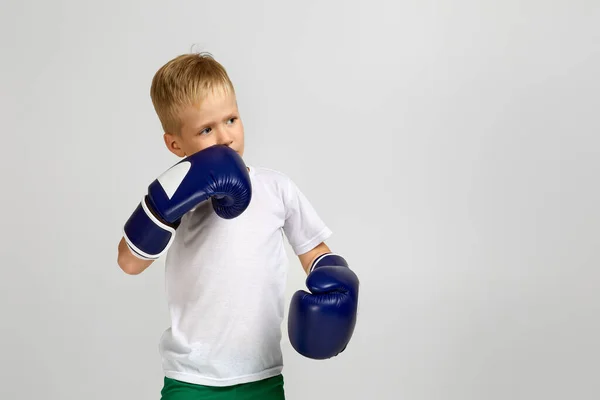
172	142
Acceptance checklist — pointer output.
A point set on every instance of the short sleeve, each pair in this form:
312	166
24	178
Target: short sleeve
303	227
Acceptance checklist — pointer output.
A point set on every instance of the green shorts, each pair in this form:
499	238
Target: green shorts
266	389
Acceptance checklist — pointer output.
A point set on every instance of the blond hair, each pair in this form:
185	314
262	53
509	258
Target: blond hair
185	81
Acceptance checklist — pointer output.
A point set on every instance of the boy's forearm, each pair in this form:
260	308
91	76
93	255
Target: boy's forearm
129	263
307	259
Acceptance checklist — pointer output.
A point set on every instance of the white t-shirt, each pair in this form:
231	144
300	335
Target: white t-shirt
225	284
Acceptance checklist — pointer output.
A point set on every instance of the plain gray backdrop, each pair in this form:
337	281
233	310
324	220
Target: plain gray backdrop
452	147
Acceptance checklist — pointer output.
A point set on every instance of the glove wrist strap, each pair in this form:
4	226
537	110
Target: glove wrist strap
147	236
329	259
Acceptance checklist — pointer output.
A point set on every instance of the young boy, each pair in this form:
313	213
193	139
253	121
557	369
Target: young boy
221	225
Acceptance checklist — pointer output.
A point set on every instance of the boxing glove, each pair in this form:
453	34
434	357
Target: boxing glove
321	323
217	173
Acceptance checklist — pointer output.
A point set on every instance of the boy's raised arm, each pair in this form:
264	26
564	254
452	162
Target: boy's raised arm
129	263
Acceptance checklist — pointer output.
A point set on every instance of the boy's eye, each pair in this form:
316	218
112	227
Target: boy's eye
231	120
205	131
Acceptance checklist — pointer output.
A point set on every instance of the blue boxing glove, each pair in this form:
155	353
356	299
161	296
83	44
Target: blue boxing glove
321	323
217	173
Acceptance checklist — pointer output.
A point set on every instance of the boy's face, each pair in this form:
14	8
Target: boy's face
215	121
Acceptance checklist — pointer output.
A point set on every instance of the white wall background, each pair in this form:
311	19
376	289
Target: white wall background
453	147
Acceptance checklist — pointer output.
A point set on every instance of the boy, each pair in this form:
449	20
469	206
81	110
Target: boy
221	224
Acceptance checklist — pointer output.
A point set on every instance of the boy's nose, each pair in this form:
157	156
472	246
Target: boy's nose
225	138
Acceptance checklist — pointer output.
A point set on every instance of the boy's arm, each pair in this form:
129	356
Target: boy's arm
321	320
307	258
129	263
216	173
